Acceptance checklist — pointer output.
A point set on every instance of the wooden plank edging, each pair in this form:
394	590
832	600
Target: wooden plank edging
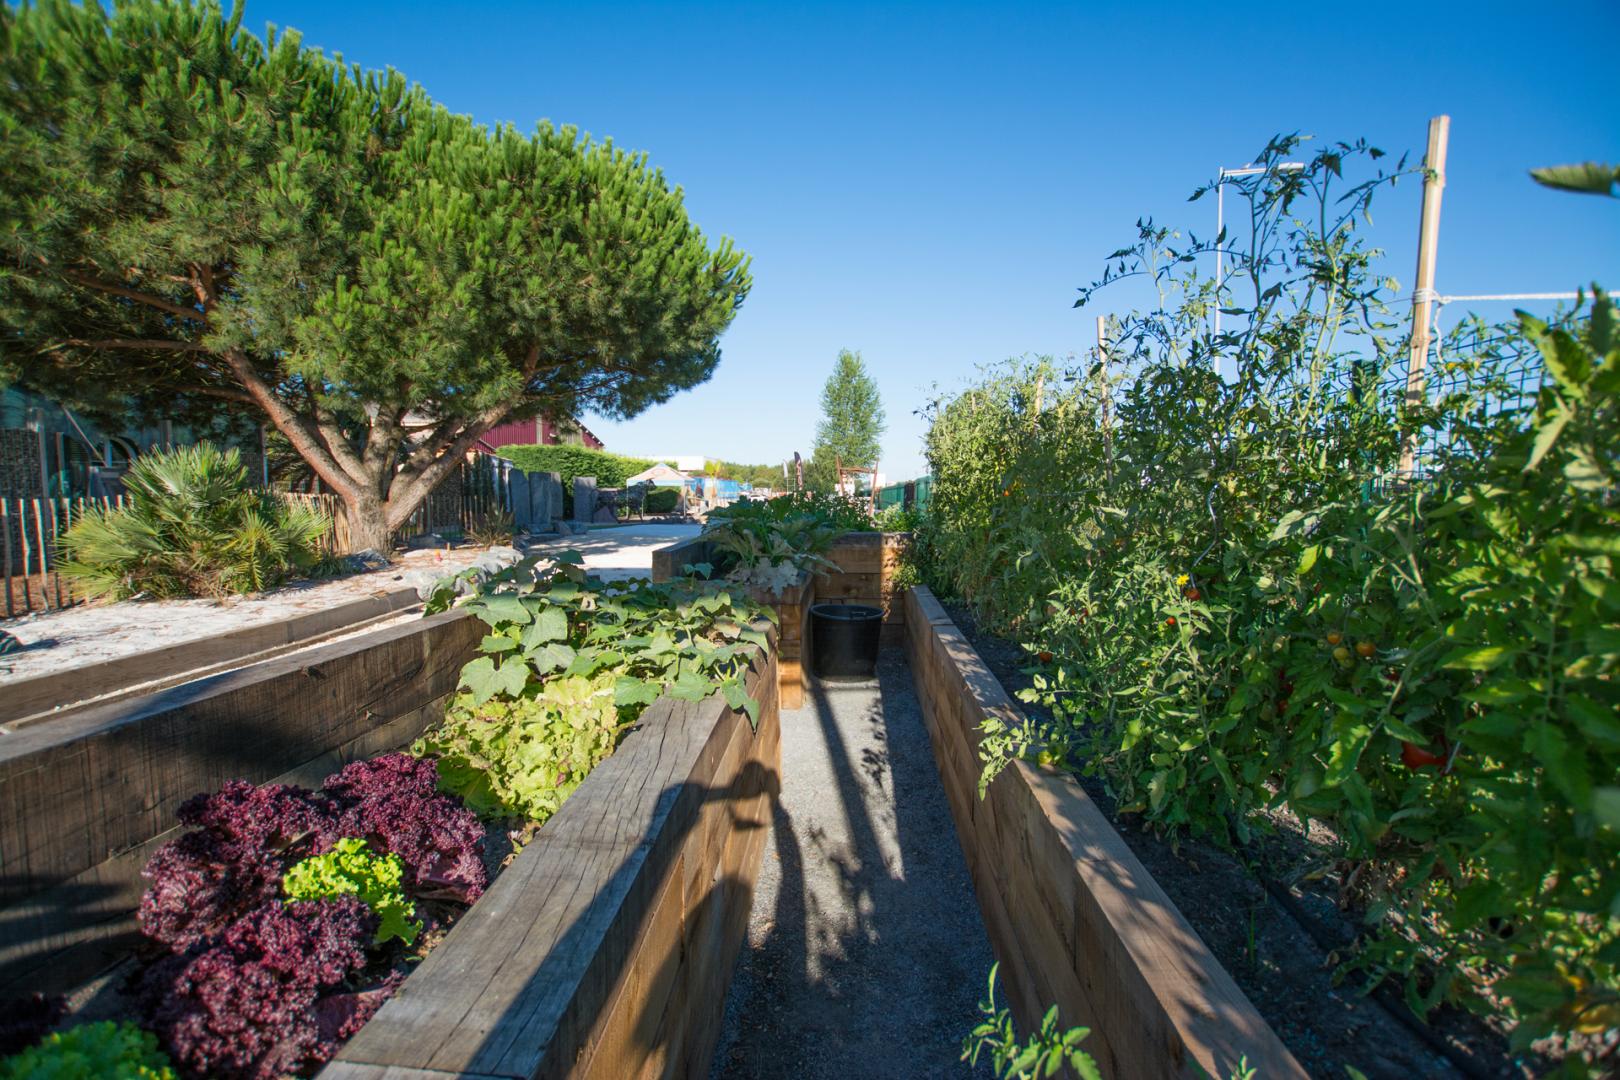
85	798
1073	915
28	698
605	949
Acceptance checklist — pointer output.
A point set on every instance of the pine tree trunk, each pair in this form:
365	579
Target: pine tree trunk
368	526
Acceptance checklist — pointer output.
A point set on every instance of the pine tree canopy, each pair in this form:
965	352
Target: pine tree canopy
195	218
851	416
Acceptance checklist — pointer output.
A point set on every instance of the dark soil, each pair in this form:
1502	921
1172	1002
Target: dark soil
1280	941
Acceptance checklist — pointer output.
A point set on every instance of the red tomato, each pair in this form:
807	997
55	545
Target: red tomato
1415	757
1045	657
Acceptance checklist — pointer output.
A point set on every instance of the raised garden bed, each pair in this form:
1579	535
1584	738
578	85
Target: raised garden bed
866	563
1281	939
673	822
1073	916
51	694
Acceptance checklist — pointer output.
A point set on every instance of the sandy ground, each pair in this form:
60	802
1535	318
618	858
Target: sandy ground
866	954
90	633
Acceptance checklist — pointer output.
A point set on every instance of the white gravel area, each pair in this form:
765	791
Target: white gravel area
624	551
91	633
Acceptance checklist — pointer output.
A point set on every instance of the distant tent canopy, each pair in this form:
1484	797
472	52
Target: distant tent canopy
659	475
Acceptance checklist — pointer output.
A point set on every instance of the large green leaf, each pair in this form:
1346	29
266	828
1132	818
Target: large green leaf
1480	658
551	624
501	608
551	657
629	690
1586	178
485	680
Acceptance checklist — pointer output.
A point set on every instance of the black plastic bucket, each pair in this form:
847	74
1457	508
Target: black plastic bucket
844	639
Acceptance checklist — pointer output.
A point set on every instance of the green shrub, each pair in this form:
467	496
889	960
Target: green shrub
193	527
351	869
898	518
99	1051
662	500
610	470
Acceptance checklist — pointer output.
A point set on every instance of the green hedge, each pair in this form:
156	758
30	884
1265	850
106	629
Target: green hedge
661	500
610	470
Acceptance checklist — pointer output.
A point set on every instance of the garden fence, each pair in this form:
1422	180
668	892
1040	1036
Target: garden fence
475	494
28	531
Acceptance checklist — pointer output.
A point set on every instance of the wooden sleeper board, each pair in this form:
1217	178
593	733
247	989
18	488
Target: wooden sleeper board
86	798
36	698
1072	914
606	947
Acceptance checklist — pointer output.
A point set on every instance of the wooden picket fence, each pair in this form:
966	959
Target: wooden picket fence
30	525
28	531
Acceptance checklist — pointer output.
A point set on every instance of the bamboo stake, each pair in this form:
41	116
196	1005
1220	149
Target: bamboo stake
1434	186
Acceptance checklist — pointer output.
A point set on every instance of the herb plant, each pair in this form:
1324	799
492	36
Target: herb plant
1046	1052
351	869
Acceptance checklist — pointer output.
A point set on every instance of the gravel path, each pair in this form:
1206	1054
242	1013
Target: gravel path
866	955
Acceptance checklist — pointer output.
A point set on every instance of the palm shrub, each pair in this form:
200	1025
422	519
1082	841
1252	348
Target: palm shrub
193	527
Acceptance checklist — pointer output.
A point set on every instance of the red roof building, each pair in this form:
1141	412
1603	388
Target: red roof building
537	431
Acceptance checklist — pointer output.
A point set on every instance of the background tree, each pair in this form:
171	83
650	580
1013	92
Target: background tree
196	218
851	422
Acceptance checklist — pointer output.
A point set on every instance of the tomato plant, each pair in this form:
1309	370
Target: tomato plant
1427	666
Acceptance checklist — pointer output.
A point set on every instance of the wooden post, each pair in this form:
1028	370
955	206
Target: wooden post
44	571
1102	358
5	545
1434	186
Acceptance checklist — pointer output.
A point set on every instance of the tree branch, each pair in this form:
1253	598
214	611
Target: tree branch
131	343
299	431
136	295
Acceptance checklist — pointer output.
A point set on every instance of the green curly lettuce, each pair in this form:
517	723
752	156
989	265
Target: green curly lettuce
351	869
118	1051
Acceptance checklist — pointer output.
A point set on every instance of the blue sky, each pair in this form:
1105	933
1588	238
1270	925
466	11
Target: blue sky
929	183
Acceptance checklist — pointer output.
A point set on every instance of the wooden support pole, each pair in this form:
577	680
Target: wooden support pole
1434	186
1102	358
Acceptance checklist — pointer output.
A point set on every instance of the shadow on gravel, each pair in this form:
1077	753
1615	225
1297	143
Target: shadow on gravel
866	953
